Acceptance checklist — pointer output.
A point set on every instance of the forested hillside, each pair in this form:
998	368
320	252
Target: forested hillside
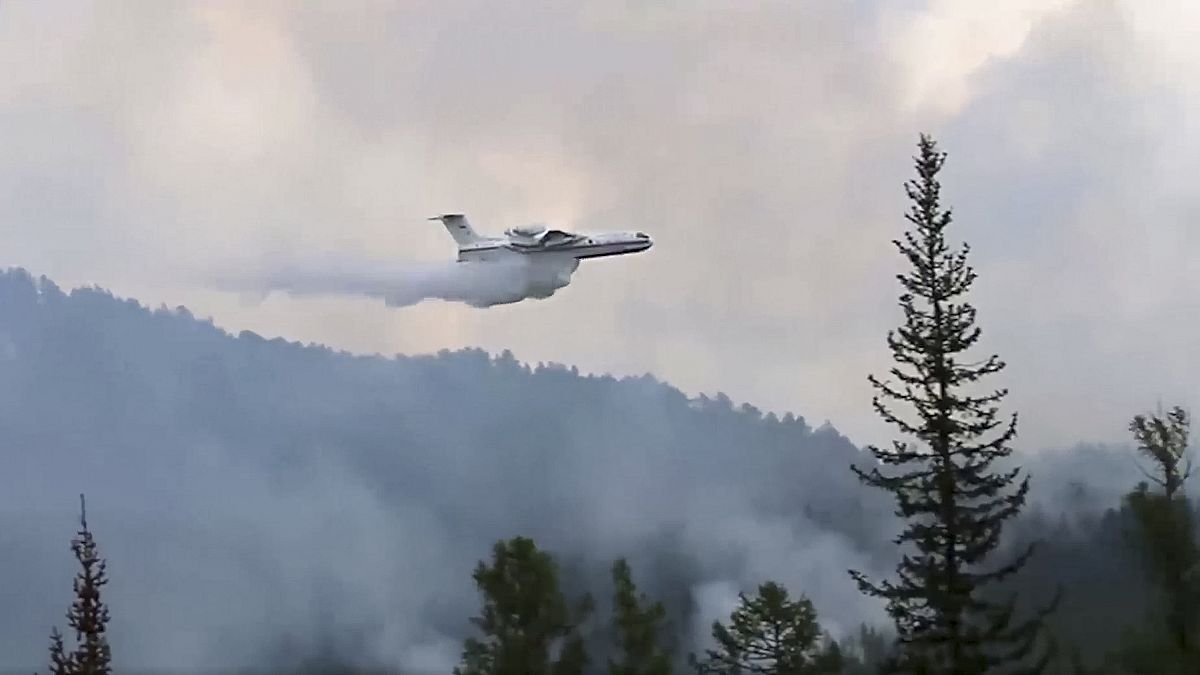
262	502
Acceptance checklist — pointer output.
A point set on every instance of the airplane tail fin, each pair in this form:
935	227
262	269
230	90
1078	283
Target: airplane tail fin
459	228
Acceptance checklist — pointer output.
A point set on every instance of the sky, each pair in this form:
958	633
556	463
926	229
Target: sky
147	146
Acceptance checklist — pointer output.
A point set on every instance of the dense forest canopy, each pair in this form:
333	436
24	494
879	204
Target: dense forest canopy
260	500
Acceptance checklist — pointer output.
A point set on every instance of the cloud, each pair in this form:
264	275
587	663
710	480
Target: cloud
1057	184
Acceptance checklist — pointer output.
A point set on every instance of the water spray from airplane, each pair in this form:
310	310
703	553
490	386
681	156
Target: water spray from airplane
530	262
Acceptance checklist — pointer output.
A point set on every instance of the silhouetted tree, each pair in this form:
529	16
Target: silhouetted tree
1165	534
771	634
528	628
1164	440
88	615
954	503
638	623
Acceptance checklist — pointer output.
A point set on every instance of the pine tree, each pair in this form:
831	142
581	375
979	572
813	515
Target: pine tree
954	503
60	662
1165	441
638	623
528	628
1165	533
88	615
771	634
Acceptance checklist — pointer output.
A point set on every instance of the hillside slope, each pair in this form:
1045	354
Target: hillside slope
246	488
255	495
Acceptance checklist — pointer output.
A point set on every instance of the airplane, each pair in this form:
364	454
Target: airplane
537	241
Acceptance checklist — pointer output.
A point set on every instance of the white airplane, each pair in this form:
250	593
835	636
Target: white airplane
536	241
525	263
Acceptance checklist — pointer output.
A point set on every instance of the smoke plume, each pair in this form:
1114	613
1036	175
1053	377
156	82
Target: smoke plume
403	284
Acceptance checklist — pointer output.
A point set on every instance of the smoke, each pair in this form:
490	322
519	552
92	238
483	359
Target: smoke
262	502
403	284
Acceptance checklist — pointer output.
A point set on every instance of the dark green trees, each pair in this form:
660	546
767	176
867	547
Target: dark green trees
954	502
88	615
1165	534
771	634
638	623
528	627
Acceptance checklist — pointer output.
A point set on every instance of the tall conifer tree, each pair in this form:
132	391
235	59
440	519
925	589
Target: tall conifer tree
88	615
1166	535
954	503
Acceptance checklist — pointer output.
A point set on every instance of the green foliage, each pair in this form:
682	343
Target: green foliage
638	623
954	503
1165	441
1164	532
773	635
88	615
527	626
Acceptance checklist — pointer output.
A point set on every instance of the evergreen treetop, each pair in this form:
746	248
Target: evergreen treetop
954	503
88	615
528	627
1164	440
770	634
1165	535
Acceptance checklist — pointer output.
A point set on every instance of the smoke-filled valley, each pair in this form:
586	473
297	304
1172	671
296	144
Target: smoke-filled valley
262	503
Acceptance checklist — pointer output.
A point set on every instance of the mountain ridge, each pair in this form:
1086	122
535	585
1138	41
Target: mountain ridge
182	312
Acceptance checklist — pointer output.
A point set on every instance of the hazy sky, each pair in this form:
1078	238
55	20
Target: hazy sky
145	145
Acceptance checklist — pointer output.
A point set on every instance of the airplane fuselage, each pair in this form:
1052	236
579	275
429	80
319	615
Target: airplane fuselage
579	247
538	260
537	241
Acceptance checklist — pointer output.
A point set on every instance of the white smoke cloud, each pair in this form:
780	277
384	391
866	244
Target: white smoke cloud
407	283
714	600
805	559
